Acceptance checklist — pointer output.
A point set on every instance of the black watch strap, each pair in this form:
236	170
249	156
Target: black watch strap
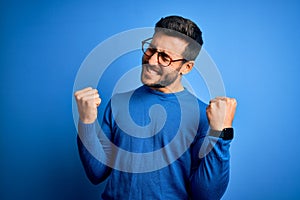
225	134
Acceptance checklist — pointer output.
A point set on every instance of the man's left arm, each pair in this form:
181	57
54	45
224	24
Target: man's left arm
210	173
210	176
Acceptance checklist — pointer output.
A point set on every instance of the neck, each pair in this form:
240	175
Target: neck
168	90
176	86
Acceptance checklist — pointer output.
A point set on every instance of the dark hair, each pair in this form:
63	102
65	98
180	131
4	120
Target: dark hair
181	27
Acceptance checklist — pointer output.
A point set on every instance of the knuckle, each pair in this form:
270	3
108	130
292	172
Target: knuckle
77	93
77	97
233	101
84	99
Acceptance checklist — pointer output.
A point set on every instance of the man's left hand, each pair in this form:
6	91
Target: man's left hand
220	112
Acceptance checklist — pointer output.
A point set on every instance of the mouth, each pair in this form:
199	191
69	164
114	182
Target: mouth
152	70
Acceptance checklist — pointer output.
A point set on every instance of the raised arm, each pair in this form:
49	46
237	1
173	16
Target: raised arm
210	154
89	144
210	173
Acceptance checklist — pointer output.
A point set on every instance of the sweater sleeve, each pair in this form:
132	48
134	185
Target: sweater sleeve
91	152
210	168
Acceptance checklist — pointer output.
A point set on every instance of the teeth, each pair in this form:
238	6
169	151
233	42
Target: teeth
151	71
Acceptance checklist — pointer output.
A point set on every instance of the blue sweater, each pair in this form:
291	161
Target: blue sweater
153	145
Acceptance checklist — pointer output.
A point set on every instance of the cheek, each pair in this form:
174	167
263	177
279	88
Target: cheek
169	71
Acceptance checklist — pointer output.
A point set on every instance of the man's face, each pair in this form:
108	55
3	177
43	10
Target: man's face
159	76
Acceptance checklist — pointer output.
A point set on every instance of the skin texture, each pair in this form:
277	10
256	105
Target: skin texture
220	111
87	102
169	78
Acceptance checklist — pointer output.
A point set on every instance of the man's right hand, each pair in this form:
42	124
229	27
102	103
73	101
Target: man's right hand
87	102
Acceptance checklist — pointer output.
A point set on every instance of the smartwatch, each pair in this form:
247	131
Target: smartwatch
225	134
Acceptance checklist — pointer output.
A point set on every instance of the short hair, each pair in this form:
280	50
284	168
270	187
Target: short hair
181	27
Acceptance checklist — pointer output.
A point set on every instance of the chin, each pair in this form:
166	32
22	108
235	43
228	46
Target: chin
147	82
151	80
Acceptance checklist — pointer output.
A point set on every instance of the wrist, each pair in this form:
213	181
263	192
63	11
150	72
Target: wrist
225	134
87	121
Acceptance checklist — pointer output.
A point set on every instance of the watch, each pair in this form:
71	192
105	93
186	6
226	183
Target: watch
225	134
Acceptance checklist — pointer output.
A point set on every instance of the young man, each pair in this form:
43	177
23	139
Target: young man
191	140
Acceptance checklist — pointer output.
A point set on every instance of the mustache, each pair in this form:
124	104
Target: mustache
155	68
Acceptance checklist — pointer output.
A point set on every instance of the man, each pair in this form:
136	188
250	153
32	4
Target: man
197	166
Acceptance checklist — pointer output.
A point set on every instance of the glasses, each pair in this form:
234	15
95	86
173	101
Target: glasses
162	58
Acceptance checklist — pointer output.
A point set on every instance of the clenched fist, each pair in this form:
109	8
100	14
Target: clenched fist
87	102
220	113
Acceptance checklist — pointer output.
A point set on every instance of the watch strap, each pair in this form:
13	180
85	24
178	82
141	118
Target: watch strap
225	134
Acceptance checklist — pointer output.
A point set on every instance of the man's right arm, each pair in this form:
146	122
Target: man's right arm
89	146
90	152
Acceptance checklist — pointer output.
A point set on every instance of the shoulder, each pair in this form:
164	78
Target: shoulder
138	91
200	111
191	97
119	102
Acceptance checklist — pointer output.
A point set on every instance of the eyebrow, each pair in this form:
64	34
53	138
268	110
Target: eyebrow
164	51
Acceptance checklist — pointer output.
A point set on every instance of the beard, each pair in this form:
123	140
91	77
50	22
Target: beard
168	80
156	77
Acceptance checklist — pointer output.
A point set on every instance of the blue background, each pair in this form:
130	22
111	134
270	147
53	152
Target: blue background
255	44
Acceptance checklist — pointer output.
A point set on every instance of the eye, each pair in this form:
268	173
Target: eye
165	57
151	50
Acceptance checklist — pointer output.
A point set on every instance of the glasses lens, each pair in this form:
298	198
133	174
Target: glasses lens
164	59
147	49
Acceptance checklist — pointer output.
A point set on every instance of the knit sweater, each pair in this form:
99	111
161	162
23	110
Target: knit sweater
154	145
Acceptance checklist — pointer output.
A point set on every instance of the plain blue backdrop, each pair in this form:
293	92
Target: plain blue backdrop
255	45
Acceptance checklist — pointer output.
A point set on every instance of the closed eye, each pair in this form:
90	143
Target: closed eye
164	56
151	50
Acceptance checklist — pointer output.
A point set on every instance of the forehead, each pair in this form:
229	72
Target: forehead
169	44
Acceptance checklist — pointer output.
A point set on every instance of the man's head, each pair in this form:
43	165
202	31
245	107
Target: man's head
184	28
170	53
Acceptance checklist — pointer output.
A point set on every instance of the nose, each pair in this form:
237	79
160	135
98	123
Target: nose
153	60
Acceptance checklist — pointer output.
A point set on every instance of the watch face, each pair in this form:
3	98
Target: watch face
227	134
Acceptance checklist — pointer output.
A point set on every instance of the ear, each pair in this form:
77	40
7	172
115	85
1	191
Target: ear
187	67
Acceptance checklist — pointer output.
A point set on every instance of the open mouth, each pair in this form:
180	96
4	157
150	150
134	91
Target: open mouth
152	70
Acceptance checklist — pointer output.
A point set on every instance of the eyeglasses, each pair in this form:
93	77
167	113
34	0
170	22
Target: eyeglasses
162	58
